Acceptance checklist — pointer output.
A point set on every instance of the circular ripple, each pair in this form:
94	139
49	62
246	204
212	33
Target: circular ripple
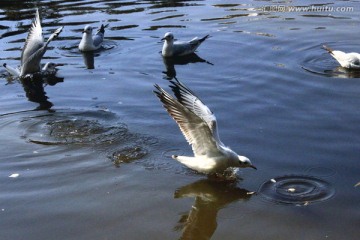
297	190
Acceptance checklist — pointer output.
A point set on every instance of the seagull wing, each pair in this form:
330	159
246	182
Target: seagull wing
195	42
99	36
348	60
98	39
34	40
189	99
196	130
354	60
182	48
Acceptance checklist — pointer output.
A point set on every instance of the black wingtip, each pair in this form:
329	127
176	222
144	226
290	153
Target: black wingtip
4	65
102	28
159	91
329	50
204	38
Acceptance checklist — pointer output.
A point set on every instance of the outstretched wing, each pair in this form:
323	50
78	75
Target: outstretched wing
194	128
189	99
34	40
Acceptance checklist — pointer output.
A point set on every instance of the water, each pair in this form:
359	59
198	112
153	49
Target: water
97	164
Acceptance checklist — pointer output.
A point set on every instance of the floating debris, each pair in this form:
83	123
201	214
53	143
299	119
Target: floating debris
291	189
357	185
14	175
250	193
273	180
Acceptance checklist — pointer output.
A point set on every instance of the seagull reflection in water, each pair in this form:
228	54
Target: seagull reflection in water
337	72
210	197
89	59
33	85
341	72
170	63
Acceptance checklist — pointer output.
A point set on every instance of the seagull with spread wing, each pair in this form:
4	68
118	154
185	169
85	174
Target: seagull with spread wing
346	60
178	48
90	42
33	51
198	125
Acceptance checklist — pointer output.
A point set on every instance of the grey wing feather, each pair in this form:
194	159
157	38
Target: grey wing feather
34	40
98	39
189	99
182	48
194	128
99	36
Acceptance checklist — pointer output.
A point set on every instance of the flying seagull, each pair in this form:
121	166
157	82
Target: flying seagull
34	49
346	60
90	42
172	49
198	125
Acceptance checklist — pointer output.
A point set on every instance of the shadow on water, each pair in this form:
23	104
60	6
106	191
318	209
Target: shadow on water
210	197
170	63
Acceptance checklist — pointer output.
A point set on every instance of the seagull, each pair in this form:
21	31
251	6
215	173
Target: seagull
171	48
346	60
90	42
34	49
48	69
199	127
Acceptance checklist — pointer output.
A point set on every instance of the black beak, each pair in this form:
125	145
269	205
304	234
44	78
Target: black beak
252	166
163	39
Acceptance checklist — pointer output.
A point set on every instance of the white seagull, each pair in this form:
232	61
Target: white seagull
34	49
90	42
346	60
198	125
172	49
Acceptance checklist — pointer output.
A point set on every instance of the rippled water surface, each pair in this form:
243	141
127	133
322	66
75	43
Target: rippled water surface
88	155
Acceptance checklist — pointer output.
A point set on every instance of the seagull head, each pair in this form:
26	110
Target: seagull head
88	29
50	67
244	162
169	37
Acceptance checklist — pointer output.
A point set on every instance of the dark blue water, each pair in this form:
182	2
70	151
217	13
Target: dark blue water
97	165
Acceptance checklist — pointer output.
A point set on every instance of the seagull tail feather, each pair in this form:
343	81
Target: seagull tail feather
102	28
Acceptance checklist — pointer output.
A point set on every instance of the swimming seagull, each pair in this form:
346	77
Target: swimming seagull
34	49
171	48
90	42
346	60
198	125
